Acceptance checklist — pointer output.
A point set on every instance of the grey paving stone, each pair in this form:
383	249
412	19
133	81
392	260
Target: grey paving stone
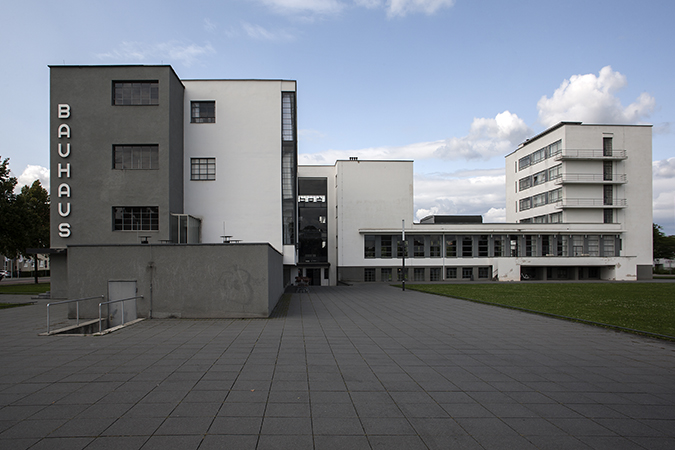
287	425
232	441
91	426
117	443
134	426
337	426
276	442
184	426
387	426
287	410
236	425
173	442
341	443
62	443
397	442
396	369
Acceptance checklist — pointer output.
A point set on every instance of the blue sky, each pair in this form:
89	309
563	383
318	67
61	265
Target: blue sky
453	84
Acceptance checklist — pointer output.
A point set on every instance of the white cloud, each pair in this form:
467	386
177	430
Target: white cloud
32	173
305	7
404	7
591	99
261	33
664	168
209	26
487	138
168	52
478	192
393	8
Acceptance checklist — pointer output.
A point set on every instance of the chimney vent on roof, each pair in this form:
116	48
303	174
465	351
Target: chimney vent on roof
353	158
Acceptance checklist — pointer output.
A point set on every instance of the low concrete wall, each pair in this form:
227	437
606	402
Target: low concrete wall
188	281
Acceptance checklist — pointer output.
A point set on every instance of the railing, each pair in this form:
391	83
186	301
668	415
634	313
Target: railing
590	178
590	202
77	308
114	301
590	154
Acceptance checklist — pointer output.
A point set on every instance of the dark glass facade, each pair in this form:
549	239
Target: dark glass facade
313	220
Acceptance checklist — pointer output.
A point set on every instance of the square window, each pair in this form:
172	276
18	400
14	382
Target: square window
369	275
135	93
145	157
467	272
203	112
135	218
202	169
419	273
369	246
483	272
386	274
435	274
451	272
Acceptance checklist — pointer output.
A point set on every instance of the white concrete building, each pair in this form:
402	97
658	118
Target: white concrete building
154	171
578	206
234	140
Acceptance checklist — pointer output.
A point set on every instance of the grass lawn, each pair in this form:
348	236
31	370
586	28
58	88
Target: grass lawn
26	289
12	305
646	307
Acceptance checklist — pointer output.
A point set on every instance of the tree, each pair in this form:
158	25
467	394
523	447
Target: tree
10	223
34	203
663	246
24	218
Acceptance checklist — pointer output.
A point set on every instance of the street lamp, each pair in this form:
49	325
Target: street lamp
403	253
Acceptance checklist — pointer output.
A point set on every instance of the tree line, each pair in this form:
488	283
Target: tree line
24	217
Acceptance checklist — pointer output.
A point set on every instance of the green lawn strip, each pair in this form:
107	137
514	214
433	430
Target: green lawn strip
24	289
13	305
648	307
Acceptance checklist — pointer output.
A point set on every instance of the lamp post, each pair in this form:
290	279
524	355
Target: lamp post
403	253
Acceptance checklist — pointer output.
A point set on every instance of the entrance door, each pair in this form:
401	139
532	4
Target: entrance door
117	290
314	276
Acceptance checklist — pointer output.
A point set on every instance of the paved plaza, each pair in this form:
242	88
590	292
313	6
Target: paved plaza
359	367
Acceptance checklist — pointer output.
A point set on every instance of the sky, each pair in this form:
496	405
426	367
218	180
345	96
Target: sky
454	85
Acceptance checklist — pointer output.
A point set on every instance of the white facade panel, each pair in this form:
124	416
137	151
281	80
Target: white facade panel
244	200
376	194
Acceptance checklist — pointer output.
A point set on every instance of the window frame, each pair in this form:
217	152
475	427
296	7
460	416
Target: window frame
135	155
135	219
199	118
208	162
135	98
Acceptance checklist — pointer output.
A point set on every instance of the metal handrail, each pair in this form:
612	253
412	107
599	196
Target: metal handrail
114	301
77	308
590	154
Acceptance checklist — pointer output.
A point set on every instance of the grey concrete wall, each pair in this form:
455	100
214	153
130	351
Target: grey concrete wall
644	272
95	126
58	265
188	281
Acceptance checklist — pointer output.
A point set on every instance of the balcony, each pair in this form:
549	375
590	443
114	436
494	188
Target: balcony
591	203
590	154
591	178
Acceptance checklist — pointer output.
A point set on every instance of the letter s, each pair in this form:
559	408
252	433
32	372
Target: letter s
64	230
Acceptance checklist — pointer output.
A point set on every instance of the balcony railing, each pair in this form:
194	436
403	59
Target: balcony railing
615	178
591	203
570	153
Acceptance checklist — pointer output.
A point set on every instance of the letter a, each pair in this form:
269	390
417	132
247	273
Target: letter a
64	190
64	131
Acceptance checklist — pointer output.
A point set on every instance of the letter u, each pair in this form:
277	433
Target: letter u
65	213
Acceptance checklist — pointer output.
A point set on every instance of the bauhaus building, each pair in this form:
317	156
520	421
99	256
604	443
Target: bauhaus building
190	193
